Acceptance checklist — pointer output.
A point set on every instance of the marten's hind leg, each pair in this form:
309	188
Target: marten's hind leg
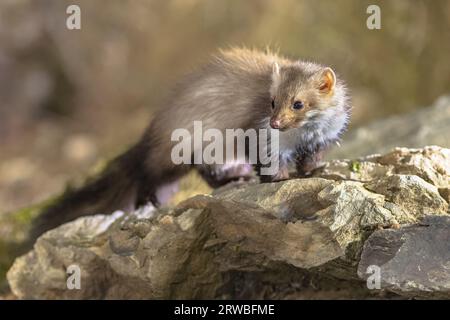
158	187
219	175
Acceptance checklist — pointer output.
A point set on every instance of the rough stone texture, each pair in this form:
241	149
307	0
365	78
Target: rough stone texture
413	182
413	260
418	129
264	240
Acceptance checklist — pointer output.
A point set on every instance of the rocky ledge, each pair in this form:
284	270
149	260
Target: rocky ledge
378	226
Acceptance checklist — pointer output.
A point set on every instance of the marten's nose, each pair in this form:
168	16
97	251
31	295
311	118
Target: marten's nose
275	124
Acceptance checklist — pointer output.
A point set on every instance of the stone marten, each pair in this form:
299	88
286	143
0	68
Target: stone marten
237	89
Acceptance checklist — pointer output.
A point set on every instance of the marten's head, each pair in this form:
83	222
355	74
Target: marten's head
300	91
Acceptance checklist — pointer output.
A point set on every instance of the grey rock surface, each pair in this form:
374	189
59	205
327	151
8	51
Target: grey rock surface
413	260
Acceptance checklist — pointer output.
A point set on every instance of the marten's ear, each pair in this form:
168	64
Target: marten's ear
275	72
275	78
276	69
327	80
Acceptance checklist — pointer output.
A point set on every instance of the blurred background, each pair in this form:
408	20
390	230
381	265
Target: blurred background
69	99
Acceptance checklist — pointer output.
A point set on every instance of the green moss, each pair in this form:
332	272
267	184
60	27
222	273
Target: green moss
355	166
22	218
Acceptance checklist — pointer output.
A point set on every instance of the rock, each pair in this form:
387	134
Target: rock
417	129
414	260
14	230
277	240
429	163
409	196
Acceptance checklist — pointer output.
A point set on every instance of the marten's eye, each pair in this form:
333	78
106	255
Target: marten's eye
273	103
298	105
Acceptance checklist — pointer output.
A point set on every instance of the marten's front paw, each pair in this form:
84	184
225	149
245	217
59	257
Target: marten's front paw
306	165
308	169
282	174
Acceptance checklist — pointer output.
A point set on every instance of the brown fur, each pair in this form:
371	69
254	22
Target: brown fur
234	90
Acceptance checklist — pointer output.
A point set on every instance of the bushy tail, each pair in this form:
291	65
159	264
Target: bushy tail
114	189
